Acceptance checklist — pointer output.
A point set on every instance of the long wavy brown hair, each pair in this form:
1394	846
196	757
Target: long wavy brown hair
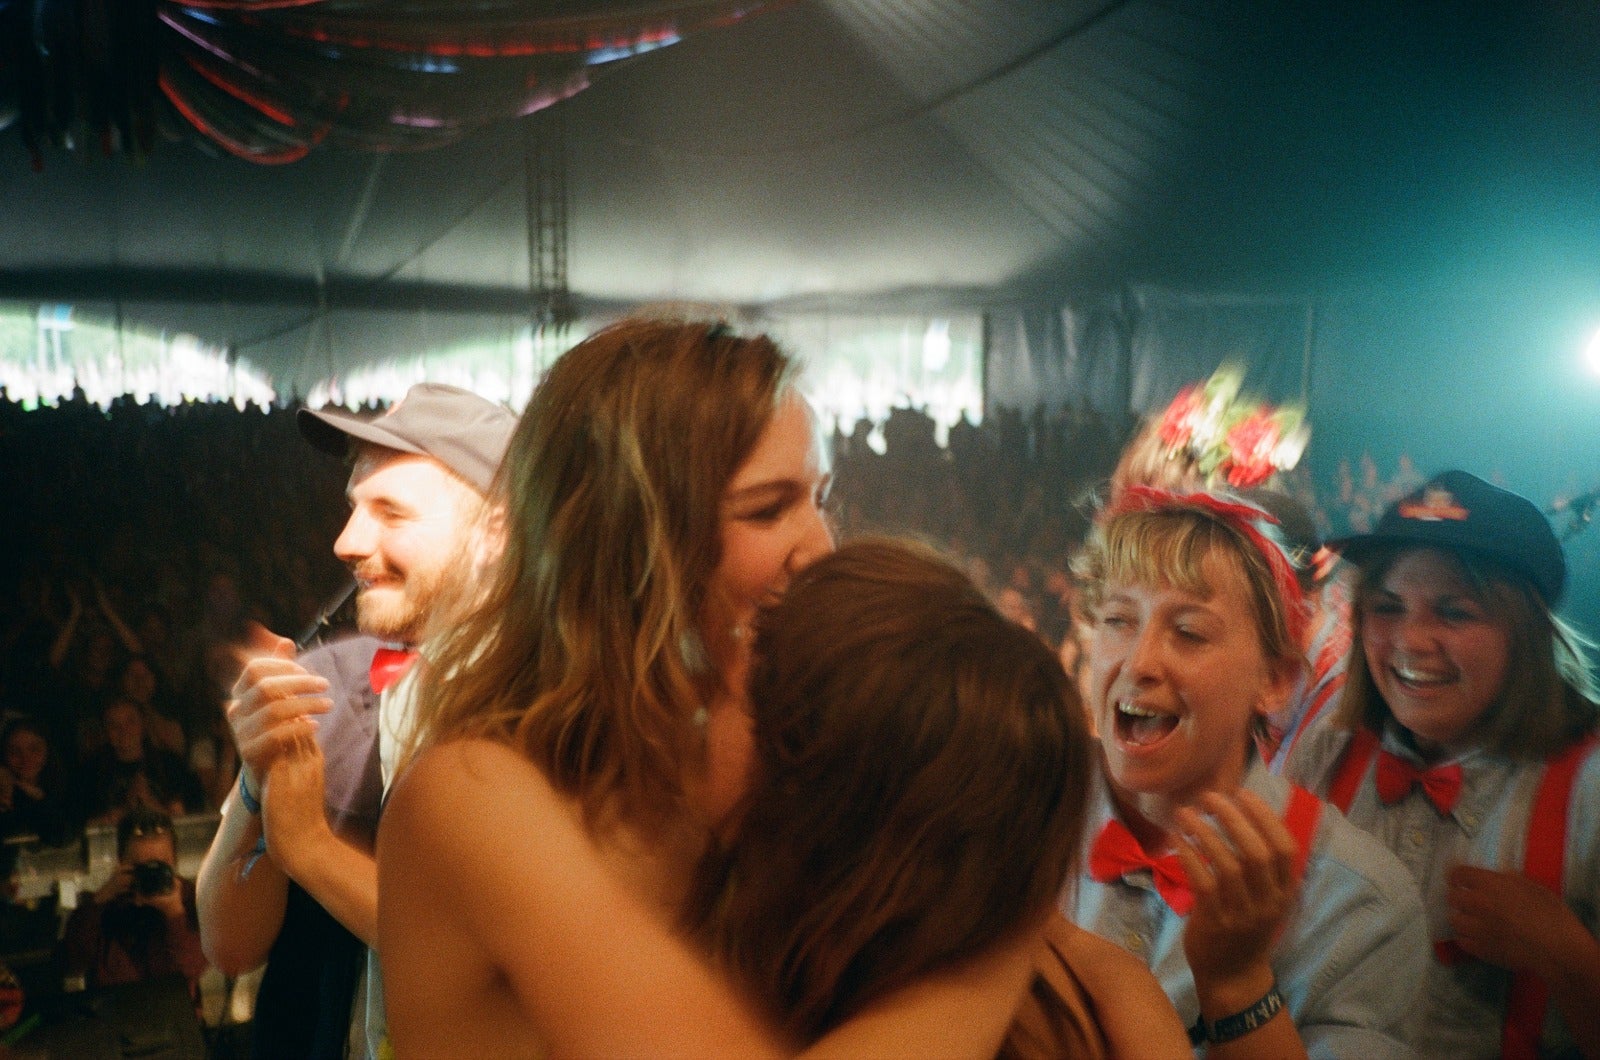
587	649
920	777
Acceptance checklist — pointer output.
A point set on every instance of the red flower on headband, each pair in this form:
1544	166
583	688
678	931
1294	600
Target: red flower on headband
1178	422
1225	436
1251	443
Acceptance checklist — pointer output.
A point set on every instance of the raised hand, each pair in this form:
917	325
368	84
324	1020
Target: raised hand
1240	865
274	701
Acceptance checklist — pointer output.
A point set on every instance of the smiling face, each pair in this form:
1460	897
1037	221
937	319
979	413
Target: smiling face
409	517
1436	653
772	520
772	526
1177	678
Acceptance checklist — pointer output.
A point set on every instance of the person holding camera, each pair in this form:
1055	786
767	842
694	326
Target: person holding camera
142	923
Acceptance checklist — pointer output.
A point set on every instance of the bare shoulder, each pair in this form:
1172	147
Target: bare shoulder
477	807
467	763
1129	1006
1090	953
475	777
448	885
482	805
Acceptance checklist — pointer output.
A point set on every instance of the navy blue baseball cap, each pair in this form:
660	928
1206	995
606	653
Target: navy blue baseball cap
1461	512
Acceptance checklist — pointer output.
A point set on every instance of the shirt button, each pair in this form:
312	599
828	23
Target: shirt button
1470	820
1416	837
1133	943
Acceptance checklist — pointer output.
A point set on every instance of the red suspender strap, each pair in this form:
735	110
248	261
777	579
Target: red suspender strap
1544	862
1301	816
1352	767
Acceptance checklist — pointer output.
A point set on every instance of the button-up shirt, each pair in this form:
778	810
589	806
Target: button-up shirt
1463	1006
1349	958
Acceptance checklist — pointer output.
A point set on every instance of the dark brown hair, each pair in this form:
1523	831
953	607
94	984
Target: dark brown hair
921	773
588	649
1548	700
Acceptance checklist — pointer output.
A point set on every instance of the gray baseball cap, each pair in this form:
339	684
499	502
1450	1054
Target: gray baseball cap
464	432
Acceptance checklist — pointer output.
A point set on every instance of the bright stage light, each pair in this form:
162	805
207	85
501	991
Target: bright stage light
1591	353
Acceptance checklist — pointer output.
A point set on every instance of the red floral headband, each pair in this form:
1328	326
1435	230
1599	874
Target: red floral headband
1229	437
1247	519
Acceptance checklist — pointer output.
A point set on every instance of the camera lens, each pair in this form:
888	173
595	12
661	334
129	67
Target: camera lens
152	878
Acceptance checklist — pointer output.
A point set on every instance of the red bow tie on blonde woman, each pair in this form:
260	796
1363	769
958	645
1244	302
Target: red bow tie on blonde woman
1396	777
388	665
1116	853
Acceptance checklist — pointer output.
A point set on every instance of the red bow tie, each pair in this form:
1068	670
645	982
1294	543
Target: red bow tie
1396	777
388	665
1116	853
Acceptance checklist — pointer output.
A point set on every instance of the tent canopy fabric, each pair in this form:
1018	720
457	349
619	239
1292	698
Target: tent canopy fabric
1388	210
874	154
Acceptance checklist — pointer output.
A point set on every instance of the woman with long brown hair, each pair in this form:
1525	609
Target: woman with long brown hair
579	729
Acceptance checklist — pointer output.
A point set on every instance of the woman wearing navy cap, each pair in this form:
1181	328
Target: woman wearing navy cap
1464	741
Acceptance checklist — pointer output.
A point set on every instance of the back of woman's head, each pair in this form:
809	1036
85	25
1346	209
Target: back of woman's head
920	776
586	648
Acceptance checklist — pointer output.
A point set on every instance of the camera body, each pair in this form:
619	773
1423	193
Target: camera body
152	879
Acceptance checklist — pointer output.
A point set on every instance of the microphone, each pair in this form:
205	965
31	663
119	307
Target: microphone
313	633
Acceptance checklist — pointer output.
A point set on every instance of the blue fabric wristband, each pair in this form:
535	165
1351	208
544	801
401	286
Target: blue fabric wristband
1240	1024
255	855
251	803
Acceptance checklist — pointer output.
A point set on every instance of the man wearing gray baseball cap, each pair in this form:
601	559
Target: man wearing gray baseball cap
290	878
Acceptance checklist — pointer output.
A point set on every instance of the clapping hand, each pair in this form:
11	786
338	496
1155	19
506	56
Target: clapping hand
1241	868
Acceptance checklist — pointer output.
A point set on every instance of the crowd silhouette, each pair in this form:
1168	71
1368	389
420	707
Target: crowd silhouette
142	538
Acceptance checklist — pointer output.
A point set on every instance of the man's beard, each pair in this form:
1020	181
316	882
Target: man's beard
400	613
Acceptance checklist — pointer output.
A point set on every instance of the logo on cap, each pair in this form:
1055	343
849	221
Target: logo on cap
1436	505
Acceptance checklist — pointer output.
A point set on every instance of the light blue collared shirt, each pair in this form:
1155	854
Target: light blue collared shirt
1350	958
1463	1005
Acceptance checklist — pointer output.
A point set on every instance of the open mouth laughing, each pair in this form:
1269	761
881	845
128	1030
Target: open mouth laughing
1139	725
1421	680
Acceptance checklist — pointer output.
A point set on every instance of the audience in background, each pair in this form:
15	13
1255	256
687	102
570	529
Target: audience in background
148	537
32	799
137	683
152	534
132	773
